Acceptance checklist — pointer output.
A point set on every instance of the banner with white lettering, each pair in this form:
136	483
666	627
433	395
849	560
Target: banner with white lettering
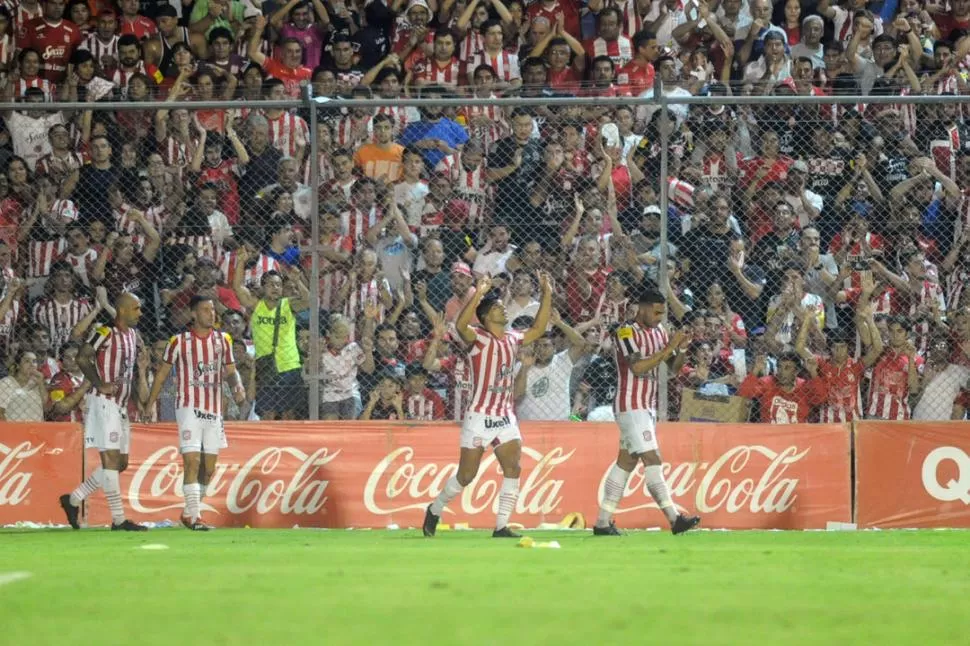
38	463
374	474
912	475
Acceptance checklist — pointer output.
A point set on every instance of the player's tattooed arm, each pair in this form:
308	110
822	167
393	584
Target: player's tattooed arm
86	360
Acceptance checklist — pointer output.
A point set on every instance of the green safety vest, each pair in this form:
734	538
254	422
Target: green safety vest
263	319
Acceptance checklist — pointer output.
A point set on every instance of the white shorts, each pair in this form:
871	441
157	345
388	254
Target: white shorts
638	431
200	432
106	425
483	431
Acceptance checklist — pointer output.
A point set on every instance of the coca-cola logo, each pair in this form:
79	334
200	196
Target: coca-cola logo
399	483
720	487
15	481
300	488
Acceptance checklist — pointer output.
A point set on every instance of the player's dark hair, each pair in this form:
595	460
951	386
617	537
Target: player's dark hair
650	296
485	305
197	300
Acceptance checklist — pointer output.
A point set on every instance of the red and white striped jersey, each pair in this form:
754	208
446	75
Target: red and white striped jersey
473	43
350	131
889	388
332	276
334	186
204	245
64	384
433	72
505	64
8	324
930	296
426	405
398	115
21	15
41	254
60	318
176	153
116	353
23	84
251	275
325	174
366	292
83	265
497	126
355	222
956	283
57	167
619	50
124	223
844	401
289	134
944	151
493	359
459	371
634	342
199	364
100	49
121	77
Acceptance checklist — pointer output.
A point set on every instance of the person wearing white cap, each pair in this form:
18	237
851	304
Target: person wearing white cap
810	45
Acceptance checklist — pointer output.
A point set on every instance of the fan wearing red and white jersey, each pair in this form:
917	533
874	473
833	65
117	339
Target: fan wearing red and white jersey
490	420
895	375
201	356
108	363
641	347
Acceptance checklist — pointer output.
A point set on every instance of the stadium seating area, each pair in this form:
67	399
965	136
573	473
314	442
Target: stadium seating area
817	253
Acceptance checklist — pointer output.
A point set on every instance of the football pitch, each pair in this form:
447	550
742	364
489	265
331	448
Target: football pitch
396	587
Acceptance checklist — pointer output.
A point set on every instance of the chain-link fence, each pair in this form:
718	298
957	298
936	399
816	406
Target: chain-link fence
815	249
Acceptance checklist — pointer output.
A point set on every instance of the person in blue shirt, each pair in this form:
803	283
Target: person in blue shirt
436	136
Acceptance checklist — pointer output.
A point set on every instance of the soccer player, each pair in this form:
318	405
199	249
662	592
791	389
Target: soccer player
490	420
108	363
641	347
200	356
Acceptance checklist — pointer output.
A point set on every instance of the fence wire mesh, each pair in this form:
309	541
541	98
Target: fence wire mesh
816	249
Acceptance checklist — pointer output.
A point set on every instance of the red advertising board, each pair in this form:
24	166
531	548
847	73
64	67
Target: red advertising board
38	463
370	474
913	475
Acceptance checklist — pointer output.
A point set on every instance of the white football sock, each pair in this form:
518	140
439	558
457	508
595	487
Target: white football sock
112	491
192	495
506	501
91	484
657	487
452	489
612	493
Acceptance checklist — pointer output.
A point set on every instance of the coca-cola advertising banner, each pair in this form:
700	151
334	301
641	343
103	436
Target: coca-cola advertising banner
370	474
913	475
38	462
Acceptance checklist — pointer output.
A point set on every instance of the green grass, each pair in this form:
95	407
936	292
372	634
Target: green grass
359	587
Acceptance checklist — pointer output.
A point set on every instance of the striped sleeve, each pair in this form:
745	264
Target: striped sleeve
172	350
626	341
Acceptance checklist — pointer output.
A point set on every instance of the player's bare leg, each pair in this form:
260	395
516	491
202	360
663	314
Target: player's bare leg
113	462
657	486
612	493
191	489
508	455
468	462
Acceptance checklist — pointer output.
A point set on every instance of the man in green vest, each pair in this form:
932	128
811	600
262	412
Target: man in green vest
279	384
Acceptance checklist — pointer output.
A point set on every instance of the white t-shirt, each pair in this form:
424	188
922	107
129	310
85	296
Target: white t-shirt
492	263
29	135
339	372
19	403
547	390
940	393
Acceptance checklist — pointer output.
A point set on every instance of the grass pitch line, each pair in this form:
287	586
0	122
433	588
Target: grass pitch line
13	577
153	546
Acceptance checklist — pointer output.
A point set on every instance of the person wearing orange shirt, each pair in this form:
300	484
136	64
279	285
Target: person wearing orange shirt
381	160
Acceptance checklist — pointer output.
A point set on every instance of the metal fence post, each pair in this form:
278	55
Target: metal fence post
662	274
313	369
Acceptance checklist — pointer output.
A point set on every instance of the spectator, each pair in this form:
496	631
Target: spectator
23	393
541	387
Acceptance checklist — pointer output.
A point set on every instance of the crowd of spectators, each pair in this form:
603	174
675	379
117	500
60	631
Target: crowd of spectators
817	254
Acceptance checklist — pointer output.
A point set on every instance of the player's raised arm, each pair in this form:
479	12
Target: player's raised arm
545	310
463	323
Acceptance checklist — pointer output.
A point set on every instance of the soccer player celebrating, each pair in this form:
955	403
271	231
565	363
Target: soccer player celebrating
200	356
490	420
108	363
641	347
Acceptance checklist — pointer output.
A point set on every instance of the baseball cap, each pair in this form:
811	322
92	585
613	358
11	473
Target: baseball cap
461	268
800	166
611	134
653	209
418	3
